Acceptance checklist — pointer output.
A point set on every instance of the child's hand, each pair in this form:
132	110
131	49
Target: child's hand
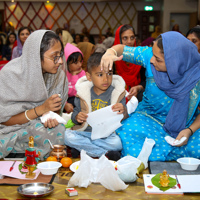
69	107
134	91
118	107
81	117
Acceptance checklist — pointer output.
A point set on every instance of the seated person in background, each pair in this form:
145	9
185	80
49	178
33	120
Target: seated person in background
101	38
131	73
1	47
7	49
194	36
176	28
98	90
87	49
107	43
156	33
23	34
148	42
77	38
65	36
109	32
85	38
74	59
85	32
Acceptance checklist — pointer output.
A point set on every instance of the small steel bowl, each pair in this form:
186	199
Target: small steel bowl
35	189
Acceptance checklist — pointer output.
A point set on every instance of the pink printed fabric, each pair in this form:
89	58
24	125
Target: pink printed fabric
72	79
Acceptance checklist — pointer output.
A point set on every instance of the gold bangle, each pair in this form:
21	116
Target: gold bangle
27	116
114	51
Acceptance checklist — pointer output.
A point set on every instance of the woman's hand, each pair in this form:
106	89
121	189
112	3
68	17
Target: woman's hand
184	133
69	107
118	107
134	91
109	57
81	117
51	123
53	103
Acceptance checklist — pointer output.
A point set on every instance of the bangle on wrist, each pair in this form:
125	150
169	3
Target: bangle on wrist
191	130
114	51
27	116
36	112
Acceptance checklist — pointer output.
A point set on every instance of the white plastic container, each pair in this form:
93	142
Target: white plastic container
188	163
49	167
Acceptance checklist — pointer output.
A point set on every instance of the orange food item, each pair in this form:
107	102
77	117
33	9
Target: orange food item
66	161
51	158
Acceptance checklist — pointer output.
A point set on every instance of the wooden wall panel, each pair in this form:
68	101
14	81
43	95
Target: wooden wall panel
97	17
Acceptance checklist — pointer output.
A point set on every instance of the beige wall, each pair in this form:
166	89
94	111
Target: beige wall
177	6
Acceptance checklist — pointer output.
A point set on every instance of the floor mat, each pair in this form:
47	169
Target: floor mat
172	168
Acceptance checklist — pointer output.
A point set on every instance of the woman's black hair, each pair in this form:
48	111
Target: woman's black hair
48	41
195	30
8	41
160	43
73	58
125	28
23	28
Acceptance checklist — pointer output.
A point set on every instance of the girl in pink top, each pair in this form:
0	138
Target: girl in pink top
74	59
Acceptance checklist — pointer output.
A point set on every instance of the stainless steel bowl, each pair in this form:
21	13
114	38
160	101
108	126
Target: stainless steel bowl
35	189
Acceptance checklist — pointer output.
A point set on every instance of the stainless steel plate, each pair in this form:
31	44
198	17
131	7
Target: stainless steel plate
35	189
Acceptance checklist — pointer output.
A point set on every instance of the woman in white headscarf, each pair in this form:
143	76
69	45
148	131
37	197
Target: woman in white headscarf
32	85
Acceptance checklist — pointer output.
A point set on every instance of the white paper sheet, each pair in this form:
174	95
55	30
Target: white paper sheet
189	183
104	122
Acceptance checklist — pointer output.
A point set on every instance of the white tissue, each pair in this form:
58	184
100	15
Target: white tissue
96	171
170	140
67	116
132	105
52	115
103	122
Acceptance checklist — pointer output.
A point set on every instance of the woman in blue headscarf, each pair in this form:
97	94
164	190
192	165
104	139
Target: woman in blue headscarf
170	100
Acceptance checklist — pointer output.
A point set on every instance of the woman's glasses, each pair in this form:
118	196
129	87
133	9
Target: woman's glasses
56	58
